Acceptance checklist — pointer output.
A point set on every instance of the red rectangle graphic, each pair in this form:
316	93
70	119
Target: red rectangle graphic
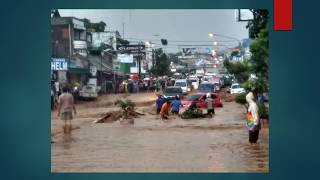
282	15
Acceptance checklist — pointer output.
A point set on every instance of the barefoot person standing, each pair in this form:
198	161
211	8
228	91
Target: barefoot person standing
66	105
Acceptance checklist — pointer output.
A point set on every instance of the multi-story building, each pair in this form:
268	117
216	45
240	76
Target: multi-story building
69	41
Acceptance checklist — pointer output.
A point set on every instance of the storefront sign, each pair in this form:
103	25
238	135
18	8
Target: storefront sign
59	64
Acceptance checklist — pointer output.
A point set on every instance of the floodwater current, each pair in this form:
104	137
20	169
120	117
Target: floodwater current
219	144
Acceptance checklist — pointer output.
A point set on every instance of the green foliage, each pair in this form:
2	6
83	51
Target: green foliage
235	53
241	70
98	27
259	22
260	55
227	81
241	99
162	66
173	58
258	29
125	105
255	86
192	112
263	111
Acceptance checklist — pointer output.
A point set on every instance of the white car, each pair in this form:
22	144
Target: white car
89	91
183	84
194	82
236	89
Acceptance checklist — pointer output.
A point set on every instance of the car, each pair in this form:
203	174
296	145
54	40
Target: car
236	89
194	82
217	87
89	91
200	100
183	83
172	91
206	87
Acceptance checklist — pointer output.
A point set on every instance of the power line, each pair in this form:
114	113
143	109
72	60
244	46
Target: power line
140	39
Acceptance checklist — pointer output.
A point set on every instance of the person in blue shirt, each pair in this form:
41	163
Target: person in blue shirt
159	102
175	105
260	99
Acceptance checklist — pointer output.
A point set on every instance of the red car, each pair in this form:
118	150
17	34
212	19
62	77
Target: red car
200	100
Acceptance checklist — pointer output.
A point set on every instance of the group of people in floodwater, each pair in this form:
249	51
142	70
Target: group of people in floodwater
66	111
165	106
134	86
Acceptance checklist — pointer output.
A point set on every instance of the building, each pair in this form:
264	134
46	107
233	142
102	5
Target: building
69	42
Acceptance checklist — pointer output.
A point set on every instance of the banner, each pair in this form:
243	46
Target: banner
125	58
130	48
188	51
136	50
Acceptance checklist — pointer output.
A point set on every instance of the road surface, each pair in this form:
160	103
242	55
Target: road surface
219	144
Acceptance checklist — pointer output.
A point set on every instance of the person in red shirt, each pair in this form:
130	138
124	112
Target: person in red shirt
165	110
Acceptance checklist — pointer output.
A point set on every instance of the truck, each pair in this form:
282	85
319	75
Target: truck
90	90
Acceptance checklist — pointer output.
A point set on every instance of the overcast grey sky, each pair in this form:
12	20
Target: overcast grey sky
174	25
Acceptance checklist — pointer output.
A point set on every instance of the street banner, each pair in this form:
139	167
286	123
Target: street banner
130	48
136	50
188	51
125	58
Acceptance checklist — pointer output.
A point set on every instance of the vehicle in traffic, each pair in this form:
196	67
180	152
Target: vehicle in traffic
236	89
89	91
183	83
194	82
172	91
217	87
206	87
200	98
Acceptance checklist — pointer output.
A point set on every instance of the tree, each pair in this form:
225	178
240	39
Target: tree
259	22
259	31
162	64
55	13
97	27
260	55
241	70
173	58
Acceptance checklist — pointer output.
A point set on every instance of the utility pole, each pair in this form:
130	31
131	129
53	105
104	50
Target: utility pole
122	30
153	58
139	60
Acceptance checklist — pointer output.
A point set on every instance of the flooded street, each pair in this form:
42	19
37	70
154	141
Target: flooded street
151	145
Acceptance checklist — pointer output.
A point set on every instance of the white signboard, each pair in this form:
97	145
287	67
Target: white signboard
125	58
77	24
133	70
93	70
59	64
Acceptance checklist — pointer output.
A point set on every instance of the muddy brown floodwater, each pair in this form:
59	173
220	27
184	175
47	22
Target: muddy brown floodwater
151	145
